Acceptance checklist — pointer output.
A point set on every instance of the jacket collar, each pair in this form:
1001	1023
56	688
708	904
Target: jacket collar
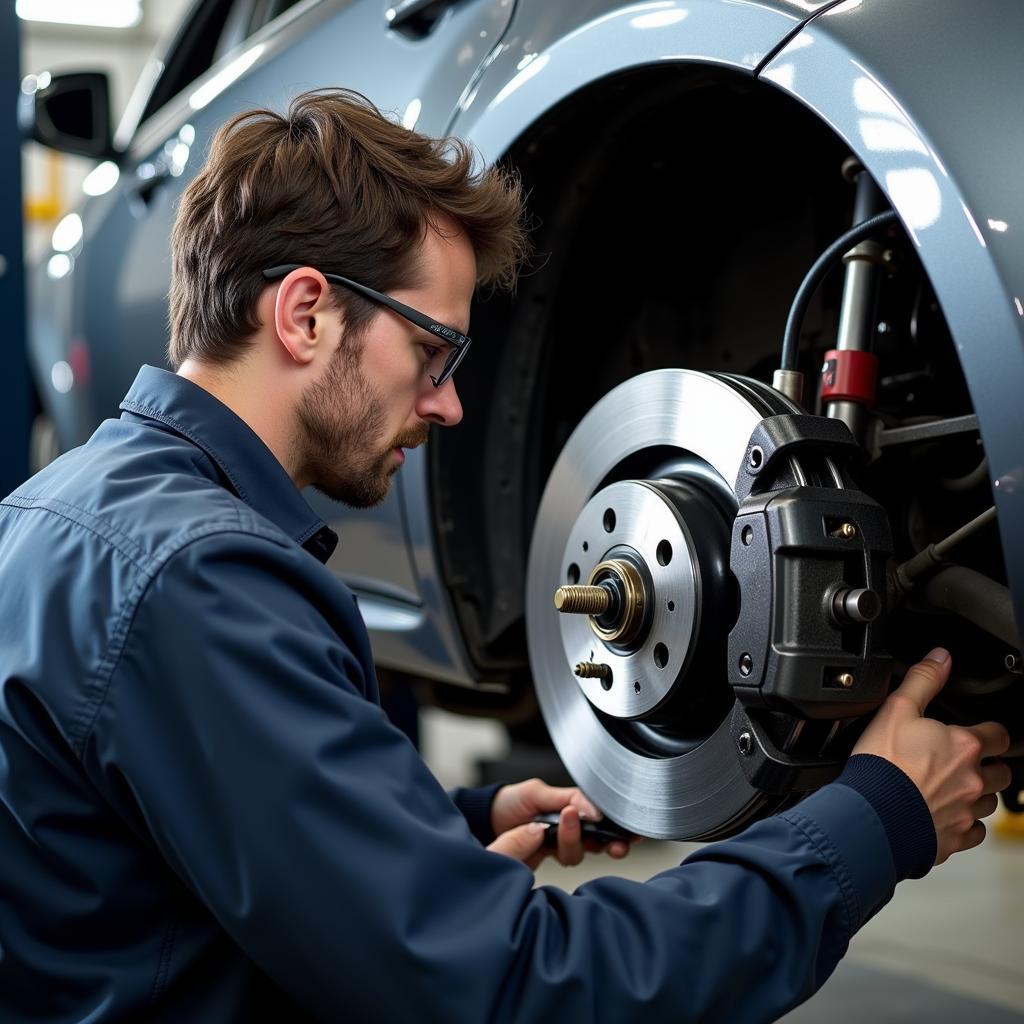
247	463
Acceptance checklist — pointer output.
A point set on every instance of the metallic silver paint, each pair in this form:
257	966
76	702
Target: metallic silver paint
126	244
927	95
925	110
551	50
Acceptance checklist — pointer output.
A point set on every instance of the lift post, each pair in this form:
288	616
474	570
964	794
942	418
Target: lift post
15	385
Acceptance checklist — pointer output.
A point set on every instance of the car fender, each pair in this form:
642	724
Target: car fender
552	50
902	85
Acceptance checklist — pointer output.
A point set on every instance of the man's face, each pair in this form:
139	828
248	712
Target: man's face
375	397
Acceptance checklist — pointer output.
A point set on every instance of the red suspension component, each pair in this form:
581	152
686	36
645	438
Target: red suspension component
849	375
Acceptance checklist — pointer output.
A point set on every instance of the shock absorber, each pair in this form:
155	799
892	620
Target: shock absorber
849	373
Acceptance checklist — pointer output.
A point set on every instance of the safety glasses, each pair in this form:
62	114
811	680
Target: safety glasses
459	342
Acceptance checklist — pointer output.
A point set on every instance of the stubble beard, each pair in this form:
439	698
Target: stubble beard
341	422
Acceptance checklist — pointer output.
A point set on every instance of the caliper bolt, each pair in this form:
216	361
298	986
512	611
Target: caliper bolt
745	742
856	604
746	664
1013	664
582	600
845	531
845	680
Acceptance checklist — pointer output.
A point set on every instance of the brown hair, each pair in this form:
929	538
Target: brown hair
337	186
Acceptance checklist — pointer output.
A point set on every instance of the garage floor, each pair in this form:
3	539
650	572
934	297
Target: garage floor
947	948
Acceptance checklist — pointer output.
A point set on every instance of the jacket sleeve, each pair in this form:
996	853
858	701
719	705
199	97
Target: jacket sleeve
475	804
311	829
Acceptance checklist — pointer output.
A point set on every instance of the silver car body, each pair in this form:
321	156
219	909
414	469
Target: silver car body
897	80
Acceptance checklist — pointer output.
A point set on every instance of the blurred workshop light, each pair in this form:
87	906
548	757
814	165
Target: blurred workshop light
31	84
62	377
68	233
96	13
101	179
60	265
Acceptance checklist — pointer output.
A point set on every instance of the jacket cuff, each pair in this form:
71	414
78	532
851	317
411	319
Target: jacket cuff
901	809
475	805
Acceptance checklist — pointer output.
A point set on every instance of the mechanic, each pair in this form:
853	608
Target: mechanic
204	813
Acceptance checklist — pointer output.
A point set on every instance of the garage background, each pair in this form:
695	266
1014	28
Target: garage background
947	949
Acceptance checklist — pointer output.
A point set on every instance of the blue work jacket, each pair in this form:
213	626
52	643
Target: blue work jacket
206	816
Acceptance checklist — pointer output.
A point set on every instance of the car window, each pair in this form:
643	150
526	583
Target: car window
268	10
237	27
247	17
196	48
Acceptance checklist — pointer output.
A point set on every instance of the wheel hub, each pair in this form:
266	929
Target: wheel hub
634	628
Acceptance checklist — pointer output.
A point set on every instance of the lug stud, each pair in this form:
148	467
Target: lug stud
595	670
845	680
582	600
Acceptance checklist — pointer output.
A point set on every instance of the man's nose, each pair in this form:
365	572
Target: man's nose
440	405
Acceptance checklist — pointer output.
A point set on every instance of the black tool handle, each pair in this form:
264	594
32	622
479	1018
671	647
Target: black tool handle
603	831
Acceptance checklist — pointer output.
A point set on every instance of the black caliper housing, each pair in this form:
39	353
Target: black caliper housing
809	553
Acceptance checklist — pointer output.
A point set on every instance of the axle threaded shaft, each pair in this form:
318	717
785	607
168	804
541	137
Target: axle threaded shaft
592	670
580	600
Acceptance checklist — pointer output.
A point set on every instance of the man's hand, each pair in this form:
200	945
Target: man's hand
943	761
514	808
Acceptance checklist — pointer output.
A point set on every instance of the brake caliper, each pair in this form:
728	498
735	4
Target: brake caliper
809	553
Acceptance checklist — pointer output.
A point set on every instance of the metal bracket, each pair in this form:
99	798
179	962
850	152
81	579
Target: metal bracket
770	770
788	434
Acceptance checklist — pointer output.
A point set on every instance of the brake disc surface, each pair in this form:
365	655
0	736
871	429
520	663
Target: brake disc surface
647	740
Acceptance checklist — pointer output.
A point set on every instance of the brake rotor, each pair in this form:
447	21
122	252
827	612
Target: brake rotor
632	534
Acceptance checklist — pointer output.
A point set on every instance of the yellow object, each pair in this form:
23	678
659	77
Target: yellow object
47	207
1008	825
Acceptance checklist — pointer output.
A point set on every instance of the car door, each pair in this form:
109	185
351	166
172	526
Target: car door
415	60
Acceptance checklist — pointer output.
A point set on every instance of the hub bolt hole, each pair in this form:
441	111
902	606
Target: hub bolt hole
636	686
609	520
747	535
756	457
660	658
664	553
573	575
586	546
671	606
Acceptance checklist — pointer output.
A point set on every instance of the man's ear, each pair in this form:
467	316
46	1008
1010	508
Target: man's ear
302	299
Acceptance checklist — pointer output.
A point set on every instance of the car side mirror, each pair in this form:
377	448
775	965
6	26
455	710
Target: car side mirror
69	112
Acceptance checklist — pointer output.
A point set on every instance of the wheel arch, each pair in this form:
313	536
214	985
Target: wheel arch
899	84
486	481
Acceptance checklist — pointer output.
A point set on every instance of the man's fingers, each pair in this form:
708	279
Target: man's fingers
996	776
520	843
570	843
984	806
974	837
995	740
545	798
924	680
587	809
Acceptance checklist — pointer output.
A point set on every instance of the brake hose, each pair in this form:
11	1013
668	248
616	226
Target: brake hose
858	233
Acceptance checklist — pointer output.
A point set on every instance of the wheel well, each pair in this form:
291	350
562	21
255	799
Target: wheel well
676	209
